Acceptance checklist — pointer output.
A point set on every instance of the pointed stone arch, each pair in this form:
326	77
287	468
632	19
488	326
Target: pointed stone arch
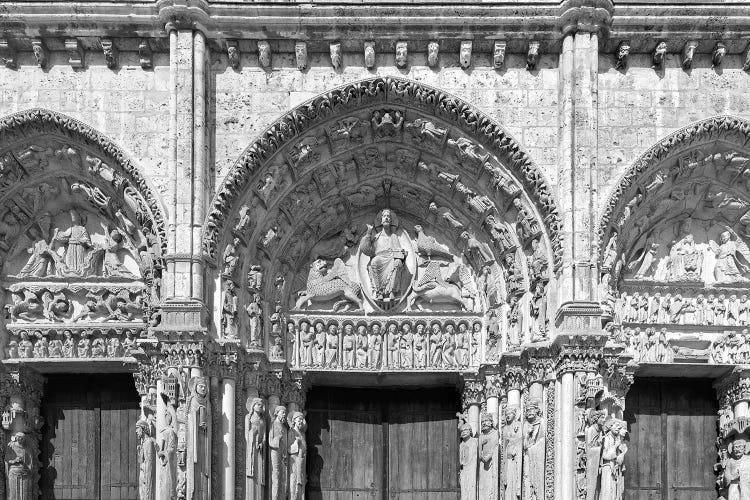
310	184
673	241
82	237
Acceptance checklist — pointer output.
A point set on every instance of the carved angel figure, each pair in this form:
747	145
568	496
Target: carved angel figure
644	260
732	259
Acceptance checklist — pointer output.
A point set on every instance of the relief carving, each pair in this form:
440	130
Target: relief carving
513	441
488	459
145	433
278	443
297	457
468	454
255	447
534	436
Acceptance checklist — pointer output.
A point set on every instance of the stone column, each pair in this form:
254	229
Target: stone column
228	386
567	445
20	395
468	445
581	22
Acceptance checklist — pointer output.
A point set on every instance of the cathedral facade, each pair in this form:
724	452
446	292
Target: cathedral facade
412	250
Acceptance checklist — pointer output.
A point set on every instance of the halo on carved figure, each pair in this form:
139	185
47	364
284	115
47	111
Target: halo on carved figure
674	255
81	239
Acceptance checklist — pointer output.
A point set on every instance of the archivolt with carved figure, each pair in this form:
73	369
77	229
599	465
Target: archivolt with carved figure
80	241
675	260
384	198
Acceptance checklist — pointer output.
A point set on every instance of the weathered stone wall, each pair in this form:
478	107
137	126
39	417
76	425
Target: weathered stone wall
129	105
524	102
642	105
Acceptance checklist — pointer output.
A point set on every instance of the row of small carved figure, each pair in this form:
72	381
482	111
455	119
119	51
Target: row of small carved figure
66	346
647	346
732	348
702	310
370	347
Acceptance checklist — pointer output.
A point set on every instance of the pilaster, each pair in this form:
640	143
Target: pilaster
582	24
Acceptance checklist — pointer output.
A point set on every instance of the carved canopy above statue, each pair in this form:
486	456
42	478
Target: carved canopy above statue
81	239
675	240
385	198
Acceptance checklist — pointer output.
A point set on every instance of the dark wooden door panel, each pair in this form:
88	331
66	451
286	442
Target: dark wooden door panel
375	445
88	448
672	425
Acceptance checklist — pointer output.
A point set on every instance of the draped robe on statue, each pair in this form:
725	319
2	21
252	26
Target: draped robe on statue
386	263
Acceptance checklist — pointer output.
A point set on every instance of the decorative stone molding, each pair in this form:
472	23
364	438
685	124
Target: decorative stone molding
40	52
110	52
233	54
717	55
369	55
8	54
464	55
687	54
300	55
532	55
433	53
498	54
370	91
76	53
145	54
621	56
659	55
184	14
729	128
24	125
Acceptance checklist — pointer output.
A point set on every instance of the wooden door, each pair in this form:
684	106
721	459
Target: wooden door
88	448
672	425
422	445
395	445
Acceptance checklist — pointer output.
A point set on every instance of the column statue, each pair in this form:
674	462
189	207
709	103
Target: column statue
278	444
144	430
613	453
512	446
737	472
594	437
534	439
468	453
297	457
255	439
488	441
19	462
199	418
166	454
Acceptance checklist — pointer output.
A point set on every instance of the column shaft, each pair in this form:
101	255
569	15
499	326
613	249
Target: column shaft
228	432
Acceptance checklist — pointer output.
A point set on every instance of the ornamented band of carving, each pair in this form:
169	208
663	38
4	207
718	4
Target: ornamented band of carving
385	344
367	93
729	128
29	123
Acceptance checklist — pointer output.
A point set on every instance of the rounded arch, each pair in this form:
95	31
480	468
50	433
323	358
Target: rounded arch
82	238
297	221
386	91
732	130
673	239
24	126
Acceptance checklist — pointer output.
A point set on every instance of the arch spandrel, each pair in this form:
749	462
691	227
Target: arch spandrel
296	220
674	259
81	239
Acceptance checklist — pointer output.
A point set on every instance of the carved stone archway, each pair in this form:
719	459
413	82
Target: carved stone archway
675	262
289	221
81	240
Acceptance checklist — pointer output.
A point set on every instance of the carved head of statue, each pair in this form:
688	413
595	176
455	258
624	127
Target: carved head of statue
298	421
387	218
510	414
77	218
167	419
279	414
348	329
201	389
477	327
487	422
433	49
465	431
361	330
533	411
725	237
392	328
376	328
256	405
401	51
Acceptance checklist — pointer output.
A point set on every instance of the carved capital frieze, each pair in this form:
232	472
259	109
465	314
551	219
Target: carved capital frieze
473	393
184	15
182	320
579	353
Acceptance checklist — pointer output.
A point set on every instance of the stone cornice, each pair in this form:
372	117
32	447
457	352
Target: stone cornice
228	19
